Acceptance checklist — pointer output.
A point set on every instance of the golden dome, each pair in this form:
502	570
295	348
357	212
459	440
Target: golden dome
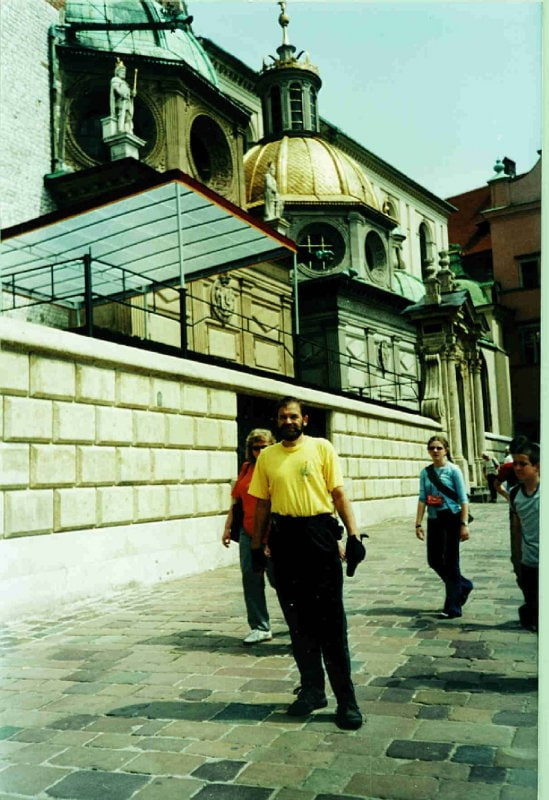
306	169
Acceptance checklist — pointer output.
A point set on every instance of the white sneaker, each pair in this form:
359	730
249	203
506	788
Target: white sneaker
256	636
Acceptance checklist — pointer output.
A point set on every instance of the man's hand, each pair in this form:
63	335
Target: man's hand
259	560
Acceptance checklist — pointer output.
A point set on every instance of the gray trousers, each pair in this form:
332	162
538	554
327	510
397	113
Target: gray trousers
254	587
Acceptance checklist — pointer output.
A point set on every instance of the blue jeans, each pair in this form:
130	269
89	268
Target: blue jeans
254	587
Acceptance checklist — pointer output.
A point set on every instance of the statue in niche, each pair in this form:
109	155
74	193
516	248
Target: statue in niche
121	98
384	356
273	204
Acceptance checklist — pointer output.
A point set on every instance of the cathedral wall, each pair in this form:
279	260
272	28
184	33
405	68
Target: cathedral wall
25	155
117	463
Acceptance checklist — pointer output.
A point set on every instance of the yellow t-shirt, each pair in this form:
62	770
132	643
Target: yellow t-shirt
298	480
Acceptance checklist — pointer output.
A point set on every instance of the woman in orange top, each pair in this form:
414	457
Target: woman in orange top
253	583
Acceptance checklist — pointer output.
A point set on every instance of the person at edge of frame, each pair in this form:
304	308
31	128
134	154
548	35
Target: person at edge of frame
524	503
447	525
505	480
298	482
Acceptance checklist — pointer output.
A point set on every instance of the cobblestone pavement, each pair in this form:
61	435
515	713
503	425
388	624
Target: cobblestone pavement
151	695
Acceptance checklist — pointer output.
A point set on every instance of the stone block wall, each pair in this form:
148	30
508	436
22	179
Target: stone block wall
117	463
381	459
88	447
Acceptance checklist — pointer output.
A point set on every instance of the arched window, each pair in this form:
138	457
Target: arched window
313	108
485	385
296	106
276	110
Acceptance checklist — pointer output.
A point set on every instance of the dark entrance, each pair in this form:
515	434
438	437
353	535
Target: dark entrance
259	412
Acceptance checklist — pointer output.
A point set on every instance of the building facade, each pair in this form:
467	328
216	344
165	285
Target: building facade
129	445
497	230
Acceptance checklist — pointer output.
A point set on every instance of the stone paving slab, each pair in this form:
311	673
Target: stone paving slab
150	694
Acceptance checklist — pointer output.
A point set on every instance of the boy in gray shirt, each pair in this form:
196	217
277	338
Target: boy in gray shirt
524	502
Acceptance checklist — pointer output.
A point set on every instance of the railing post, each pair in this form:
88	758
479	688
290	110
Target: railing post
183	318
88	297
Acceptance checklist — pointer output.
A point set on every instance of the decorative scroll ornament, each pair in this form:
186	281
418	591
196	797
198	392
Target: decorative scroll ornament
223	299
432	405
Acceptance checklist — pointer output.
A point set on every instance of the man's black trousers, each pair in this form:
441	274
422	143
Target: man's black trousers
309	584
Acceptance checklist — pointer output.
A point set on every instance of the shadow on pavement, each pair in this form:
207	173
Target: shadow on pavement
197	711
205	639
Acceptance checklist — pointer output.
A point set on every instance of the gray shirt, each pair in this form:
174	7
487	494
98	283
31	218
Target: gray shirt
526	507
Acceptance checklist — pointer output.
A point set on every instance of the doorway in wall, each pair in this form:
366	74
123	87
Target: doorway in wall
259	412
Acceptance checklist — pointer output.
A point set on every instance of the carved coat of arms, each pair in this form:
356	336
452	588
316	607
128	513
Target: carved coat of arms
223	299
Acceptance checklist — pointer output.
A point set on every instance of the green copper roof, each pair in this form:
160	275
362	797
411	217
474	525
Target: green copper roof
408	286
478	295
177	45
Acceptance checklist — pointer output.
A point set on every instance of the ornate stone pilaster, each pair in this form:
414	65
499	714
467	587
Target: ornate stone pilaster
478	409
370	356
395	352
454	416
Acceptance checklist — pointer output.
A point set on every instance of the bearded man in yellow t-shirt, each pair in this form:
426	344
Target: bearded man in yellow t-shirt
298	483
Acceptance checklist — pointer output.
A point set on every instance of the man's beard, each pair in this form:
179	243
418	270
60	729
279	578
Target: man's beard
290	432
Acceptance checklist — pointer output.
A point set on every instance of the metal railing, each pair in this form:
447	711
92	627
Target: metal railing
144	312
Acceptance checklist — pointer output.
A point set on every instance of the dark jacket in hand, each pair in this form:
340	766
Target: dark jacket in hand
355	552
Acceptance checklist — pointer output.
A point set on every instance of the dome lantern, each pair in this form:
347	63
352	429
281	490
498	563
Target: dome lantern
288	88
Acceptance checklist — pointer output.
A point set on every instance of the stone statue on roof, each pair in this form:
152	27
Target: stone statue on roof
273	203
121	99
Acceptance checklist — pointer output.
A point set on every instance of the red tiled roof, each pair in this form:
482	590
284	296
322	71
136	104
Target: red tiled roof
466	226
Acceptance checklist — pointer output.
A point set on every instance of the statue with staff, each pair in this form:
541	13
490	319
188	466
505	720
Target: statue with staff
121	98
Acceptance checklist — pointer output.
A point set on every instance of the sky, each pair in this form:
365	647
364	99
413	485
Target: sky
438	90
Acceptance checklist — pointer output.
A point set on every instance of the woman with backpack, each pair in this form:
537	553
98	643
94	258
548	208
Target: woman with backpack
442	493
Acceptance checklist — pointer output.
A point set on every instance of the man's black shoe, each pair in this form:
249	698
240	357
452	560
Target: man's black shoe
348	716
307	701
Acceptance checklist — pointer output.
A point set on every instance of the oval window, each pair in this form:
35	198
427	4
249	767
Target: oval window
211	153
376	257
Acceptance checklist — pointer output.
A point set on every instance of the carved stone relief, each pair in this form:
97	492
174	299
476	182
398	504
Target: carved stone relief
223	299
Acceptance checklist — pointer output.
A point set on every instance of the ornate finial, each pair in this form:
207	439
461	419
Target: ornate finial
445	274
283	21
499	167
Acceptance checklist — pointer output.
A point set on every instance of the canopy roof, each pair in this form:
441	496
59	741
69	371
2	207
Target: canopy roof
173	230
131	26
